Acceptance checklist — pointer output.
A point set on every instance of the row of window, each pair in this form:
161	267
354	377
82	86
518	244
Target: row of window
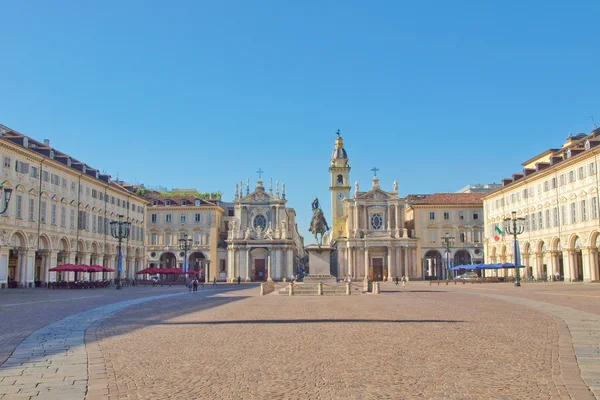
473	236
170	240
565	214
182	218
57	180
59	217
550	184
448	215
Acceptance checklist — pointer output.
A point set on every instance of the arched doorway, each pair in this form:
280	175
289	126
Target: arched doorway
167	260
17	261
462	257
433	265
197	262
260	264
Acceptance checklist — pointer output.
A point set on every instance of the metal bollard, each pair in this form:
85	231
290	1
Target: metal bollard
262	289
320	288
291	289
348	291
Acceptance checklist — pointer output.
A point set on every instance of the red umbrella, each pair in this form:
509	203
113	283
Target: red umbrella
106	269
95	268
191	271
149	271
69	268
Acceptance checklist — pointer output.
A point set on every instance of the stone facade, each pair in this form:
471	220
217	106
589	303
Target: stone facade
263	240
557	195
368	228
59	213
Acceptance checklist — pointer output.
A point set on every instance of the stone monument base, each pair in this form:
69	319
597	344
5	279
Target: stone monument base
319	261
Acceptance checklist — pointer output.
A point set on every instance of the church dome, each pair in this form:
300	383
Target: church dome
339	151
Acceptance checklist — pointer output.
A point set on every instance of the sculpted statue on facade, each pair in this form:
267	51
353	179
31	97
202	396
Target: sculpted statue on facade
395	186
247	233
355	189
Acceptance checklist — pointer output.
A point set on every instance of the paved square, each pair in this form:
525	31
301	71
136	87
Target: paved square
489	341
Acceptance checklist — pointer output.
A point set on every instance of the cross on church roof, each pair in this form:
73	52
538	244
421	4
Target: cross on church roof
375	169
338	132
260	172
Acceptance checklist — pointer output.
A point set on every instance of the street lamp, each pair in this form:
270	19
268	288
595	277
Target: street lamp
517	227
7	194
120	230
185	244
447	241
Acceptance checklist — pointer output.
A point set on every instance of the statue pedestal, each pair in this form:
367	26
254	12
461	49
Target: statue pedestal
319	261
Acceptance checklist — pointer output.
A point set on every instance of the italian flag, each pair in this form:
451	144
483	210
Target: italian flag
499	231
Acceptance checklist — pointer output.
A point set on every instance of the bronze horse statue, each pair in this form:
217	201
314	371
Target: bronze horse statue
318	225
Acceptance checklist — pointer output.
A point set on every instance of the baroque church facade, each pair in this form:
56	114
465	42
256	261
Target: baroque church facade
263	242
367	227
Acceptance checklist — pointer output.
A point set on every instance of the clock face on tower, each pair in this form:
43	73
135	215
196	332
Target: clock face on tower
341	196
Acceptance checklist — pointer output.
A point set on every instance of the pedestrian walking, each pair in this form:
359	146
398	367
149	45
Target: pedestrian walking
239	280
215	281
195	284
190	285
557	275
397	281
403	281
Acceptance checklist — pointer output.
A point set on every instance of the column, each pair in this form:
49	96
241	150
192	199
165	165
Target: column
389	221
587	265
397	262
366	262
405	267
366	222
350	219
356	220
391	266
398	222
269	256
290	263
248	279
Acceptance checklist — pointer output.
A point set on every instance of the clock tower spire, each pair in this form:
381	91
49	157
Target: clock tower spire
339	173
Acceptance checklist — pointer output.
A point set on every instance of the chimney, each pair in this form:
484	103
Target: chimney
47	142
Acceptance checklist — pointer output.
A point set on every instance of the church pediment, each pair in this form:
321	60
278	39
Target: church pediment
376	194
259	197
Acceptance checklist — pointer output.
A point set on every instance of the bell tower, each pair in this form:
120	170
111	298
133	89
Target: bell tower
339	172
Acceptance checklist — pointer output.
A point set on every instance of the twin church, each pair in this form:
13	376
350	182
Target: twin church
367	231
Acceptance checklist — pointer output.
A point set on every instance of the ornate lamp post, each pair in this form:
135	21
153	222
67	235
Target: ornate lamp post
120	230
516	228
185	244
447	242
7	194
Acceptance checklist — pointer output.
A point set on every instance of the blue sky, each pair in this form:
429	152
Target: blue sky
201	94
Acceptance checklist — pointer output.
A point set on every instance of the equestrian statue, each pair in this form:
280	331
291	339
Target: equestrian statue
318	225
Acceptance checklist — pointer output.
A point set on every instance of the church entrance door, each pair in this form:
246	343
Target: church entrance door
259	270
377	269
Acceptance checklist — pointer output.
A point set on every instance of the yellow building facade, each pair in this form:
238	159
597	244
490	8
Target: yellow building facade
59	213
557	195
453	217
183	213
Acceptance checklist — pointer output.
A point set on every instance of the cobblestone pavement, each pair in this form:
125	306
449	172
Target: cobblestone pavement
448	342
413	343
580	342
23	311
52	362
